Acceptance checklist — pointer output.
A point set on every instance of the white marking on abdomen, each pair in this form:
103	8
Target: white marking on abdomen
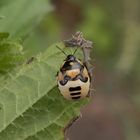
65	90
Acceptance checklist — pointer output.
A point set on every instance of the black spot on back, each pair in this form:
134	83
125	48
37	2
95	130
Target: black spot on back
75	98
80	76
75	88
67	66
64	82
75	93
84	79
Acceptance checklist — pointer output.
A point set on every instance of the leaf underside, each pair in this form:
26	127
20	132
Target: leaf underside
11	54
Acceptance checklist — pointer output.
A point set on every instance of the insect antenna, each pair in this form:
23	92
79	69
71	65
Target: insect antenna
75	50
61	50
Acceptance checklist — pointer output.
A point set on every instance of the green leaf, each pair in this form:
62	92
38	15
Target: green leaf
48	117
31	107
3	35
21	16
11	54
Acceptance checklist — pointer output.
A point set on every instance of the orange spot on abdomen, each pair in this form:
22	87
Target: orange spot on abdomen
72	73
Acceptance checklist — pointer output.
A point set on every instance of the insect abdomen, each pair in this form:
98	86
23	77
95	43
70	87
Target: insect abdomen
75	92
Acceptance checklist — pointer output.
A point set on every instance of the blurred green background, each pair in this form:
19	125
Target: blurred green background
114	26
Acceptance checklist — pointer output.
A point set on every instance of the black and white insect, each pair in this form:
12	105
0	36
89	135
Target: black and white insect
73	78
